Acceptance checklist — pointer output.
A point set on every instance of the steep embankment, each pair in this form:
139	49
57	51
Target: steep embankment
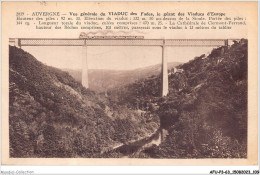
205	111
52	115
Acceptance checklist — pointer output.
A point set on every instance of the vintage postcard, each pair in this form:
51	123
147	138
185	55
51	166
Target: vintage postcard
129	83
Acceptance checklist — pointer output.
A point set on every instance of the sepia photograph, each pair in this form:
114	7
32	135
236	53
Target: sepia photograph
126	105
127	83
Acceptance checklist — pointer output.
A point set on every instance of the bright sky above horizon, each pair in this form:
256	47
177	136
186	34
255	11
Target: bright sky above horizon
111	57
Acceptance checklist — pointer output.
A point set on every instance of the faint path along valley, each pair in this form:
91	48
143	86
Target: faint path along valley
132	148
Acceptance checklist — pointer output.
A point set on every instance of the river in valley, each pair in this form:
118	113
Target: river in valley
133	148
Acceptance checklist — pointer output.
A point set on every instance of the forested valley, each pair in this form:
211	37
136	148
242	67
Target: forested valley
203	116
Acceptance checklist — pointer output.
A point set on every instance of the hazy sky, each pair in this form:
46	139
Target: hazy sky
113	57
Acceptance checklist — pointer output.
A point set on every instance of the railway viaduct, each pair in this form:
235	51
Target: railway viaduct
120	41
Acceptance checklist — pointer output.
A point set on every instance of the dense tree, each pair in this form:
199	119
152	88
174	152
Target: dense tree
205	111
52	115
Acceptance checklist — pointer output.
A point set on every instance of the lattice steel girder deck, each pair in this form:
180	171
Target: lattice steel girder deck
121	42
